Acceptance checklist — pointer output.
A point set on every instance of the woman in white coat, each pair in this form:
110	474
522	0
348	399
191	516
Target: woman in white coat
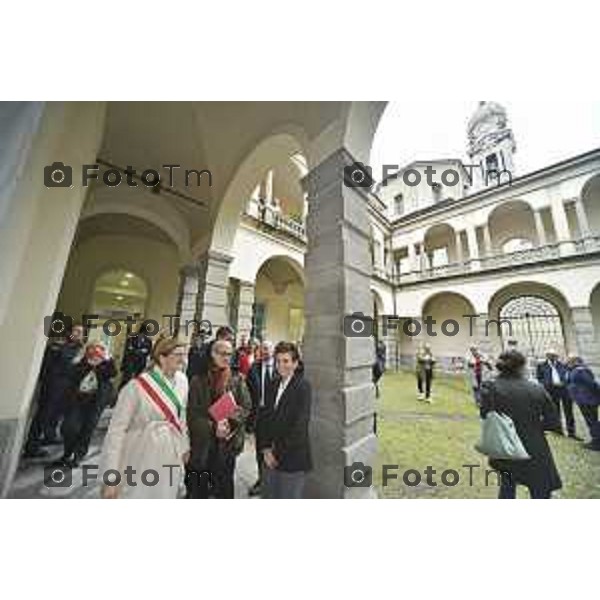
147	441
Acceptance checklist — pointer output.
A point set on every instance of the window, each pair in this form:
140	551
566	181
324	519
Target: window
491	163
399	204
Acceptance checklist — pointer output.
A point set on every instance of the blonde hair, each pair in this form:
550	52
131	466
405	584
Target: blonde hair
163	347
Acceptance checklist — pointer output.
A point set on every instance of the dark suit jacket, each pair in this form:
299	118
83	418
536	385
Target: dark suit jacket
583	387
284	428
544	373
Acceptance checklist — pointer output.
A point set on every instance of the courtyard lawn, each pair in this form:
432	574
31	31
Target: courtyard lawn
415	435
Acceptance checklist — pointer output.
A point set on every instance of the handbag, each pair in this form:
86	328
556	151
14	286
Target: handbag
499	437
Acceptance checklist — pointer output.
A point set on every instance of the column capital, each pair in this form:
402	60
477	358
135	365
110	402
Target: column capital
217	256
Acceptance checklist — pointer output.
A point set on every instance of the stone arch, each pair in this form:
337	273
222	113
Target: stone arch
509	221
440	245
245	179
161	217
536	328
279	300
590	196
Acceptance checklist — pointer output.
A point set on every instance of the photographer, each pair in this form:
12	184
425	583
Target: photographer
90	389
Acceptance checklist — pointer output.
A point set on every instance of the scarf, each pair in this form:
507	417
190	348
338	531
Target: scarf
218	380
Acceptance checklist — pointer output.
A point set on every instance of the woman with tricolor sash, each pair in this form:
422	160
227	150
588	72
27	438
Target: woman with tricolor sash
147	443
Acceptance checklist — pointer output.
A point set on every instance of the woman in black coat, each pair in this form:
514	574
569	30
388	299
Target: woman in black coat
532	411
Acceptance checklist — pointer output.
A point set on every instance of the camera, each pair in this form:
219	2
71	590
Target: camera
358	175
58	175
358	475
58	476
358	326
57	325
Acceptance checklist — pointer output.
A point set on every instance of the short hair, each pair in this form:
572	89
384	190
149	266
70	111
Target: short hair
511	363
224	330
164	347
288	348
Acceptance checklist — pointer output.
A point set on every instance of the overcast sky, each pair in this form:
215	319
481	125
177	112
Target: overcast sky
545	132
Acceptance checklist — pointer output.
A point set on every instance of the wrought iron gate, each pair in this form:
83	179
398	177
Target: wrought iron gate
536	325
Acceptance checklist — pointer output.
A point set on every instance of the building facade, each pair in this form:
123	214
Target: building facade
280	248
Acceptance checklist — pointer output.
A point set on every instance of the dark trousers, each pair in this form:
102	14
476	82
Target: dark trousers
218	483
564	404
590	414
424	379
508	491
80	422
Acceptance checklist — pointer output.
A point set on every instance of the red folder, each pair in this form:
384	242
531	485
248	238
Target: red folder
223	408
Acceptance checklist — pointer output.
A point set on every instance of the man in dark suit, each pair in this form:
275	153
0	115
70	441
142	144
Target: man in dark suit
283	428
261	378
553	375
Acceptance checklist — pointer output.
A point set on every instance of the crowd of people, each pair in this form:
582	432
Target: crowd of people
165	416
165	412
537	400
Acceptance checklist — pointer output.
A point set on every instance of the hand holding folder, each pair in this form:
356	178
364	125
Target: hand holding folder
223	408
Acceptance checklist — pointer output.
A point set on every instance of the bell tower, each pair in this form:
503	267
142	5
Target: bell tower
491	146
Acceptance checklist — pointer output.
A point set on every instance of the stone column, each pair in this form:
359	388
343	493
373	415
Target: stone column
245	308
186	299
586	339
412	257
561	226
539	227
473	248
582	219
487	240
213	282
338	275
459	247
37	227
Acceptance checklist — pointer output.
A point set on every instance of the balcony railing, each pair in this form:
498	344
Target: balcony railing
520	257
496	261
273	219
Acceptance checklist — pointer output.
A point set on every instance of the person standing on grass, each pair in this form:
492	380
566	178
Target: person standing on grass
479	367
585	392
532	411
425	363
552	374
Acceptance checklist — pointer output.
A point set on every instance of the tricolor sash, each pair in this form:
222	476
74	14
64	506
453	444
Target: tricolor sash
162	395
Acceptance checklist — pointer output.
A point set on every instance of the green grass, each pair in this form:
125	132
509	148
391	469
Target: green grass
415	435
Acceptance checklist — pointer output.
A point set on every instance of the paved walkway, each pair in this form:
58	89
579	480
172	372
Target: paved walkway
29	481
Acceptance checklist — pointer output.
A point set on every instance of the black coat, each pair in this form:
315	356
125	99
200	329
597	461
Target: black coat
532	411
284	429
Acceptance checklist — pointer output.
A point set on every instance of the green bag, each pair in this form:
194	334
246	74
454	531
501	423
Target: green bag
499	438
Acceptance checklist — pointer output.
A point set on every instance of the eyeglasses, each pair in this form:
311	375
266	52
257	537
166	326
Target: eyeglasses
227	354
177	354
